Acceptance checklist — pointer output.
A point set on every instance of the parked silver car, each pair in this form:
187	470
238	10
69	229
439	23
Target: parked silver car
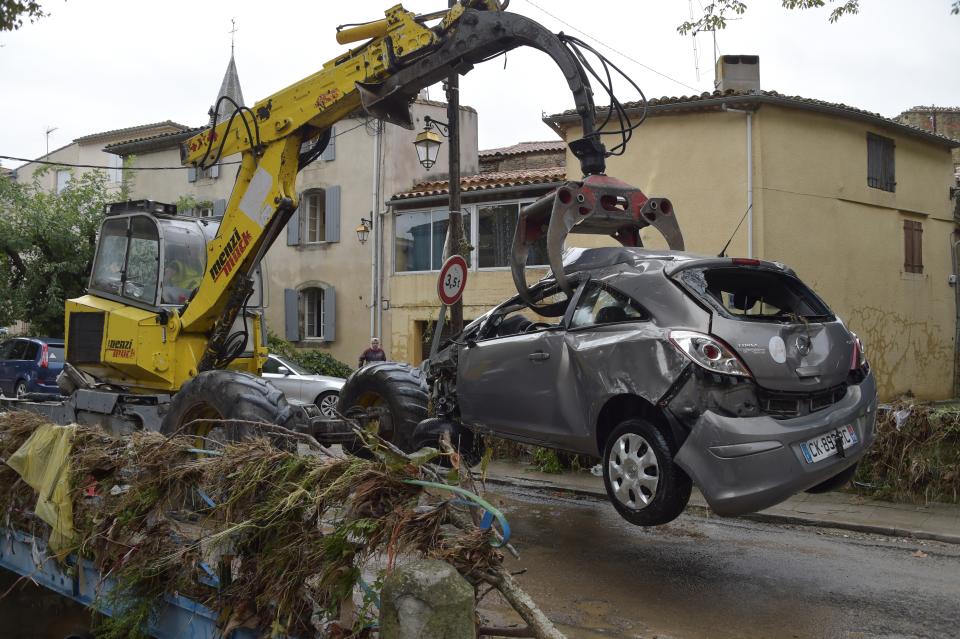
296	383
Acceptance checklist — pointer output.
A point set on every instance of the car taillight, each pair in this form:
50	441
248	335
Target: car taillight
44	356
709	352
746	261
858	359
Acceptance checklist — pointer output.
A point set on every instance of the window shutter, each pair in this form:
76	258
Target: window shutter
907	246
291	315
219	208
332	213
192	174
330	153
329	314
918	247
293	225
889	174
215	171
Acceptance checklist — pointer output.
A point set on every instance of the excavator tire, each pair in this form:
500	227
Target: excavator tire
226	395
399	388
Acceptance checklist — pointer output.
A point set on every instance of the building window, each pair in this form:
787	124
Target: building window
312	313
912	246
496	227
880	164
419	239
115	172
314	217
63	180
204	211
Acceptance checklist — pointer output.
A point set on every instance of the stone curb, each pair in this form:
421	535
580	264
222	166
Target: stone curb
702	510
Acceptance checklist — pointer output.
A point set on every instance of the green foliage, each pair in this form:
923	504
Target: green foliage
12	13
189	203
716	14
47	241
547	461
315	361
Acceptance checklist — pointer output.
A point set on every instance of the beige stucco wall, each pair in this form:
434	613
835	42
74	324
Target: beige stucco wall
814	211
347	265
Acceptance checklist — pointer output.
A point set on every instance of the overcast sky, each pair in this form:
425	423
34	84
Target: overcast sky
93	66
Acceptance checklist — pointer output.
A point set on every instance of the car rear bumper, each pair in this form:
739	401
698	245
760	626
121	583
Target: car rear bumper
743	465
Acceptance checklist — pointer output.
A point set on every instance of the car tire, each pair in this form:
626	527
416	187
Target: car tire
20	390
327	401
399	388
226	395
836	482
643	483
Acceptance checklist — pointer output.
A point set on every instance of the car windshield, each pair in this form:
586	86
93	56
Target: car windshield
293	367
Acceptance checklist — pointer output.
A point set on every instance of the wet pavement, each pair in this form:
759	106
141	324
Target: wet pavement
28	611
597	576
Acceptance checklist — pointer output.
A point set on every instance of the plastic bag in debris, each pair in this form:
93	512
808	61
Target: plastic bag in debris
900	417
44	464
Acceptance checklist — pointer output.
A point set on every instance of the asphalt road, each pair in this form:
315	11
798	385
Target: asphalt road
598	576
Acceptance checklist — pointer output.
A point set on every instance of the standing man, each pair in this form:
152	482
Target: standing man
372	354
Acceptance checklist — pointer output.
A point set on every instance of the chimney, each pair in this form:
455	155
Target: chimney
738	73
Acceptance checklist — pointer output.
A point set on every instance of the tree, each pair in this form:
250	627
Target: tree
47	244
12	13
715	14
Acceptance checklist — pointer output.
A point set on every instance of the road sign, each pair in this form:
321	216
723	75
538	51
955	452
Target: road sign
453	279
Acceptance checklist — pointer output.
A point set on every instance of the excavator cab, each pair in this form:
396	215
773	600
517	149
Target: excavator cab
147	257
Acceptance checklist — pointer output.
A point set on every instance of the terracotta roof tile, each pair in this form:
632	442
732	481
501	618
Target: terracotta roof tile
485	181
526	147
131	129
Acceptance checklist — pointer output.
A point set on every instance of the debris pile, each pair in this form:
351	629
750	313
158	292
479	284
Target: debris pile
916	456
271	539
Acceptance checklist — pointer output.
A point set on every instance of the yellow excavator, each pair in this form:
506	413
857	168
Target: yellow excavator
166	338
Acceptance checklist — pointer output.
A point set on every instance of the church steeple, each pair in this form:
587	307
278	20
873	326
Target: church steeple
231	83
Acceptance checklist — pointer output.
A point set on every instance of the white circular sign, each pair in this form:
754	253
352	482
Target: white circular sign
778	349
453	279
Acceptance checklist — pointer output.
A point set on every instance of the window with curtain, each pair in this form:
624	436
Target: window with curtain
496	227
312	313
315	216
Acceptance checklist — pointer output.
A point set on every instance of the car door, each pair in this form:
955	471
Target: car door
522	386
6	367
290	383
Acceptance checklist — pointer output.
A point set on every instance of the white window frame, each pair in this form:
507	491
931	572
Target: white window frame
63	180
315	206
314	293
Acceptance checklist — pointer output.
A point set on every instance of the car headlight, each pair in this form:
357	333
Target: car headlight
709	352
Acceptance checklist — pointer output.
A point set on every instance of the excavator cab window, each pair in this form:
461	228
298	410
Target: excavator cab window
184	260
127	265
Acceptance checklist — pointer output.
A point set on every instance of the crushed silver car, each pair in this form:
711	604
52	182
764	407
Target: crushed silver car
675	369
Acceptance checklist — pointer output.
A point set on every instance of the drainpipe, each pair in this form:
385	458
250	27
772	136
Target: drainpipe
749	115
375	233
956	337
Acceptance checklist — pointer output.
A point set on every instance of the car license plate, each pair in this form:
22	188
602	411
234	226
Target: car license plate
825	446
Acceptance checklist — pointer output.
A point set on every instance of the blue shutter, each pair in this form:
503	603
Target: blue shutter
215	171
219	208
192	174
291	315
330	153
329	314
331	211
293	225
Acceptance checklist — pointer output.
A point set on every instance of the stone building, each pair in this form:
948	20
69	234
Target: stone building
940	120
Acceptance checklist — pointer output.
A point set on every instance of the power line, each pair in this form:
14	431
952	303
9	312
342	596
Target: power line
607	46
132	168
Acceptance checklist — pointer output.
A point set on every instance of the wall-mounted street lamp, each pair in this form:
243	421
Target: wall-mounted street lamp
428	141
363	231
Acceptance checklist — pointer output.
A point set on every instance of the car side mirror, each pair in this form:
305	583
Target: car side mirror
283	370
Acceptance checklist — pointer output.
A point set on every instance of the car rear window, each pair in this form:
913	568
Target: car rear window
756	293
55	352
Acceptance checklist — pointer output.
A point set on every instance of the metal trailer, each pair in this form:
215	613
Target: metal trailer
178	617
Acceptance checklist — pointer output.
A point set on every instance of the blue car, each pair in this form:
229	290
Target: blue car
30	365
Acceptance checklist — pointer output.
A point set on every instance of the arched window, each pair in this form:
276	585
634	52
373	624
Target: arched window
314	216
310	312
311	302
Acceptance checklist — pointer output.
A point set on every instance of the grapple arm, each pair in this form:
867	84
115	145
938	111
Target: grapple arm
599	205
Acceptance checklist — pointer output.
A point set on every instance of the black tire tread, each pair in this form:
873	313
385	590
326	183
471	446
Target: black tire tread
404	389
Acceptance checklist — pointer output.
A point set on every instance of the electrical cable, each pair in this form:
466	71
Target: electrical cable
145	168
607	46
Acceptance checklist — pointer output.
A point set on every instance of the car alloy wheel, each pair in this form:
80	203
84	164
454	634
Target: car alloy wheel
21	389
634	471
328	404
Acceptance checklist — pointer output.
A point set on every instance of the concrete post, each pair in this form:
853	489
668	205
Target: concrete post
427	599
